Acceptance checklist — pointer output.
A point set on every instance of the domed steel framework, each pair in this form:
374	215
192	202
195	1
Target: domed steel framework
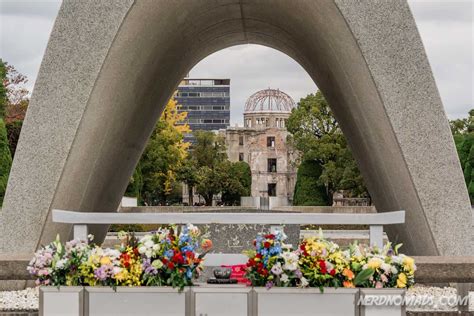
269	100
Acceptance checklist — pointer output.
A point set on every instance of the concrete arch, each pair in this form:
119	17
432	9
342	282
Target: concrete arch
110	64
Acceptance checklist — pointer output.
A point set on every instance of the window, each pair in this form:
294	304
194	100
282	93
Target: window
271	141
272	164
241	140
272	189
241	156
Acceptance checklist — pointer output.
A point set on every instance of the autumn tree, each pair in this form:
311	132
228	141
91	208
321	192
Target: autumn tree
317	135
14	100
155	177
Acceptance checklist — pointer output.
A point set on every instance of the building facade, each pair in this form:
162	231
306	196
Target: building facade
262	143
207	102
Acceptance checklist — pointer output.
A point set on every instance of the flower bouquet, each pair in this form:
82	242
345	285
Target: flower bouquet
170	258
321	263
272	263
163	258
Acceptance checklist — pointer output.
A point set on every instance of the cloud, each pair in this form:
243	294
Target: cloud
446	28
252	68
47	9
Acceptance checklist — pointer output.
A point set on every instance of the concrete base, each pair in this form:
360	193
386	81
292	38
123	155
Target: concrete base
211	300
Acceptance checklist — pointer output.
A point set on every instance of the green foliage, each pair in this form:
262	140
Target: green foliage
208	155
363	276
13	133
209	149
308	190
5	160
154	180
237	183
316	134
464	125
210	172
463	134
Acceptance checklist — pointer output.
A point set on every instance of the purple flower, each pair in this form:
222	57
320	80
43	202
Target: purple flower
269	285
298	274
148	268
103	272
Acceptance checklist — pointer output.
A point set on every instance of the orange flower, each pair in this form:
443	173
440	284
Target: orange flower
348	274
206	244
348	284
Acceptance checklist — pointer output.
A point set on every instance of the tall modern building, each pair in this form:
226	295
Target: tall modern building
207	102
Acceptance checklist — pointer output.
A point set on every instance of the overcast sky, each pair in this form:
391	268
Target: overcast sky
446	27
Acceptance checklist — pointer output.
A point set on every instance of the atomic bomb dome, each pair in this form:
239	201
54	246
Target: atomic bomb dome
269	100
268	108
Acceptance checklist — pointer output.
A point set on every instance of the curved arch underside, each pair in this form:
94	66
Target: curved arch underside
109	65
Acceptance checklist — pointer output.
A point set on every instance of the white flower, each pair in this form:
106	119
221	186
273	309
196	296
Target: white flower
284	278
394	270
276	269
304	282
386	267
291	261
142	249
156	247
157	264
61	263
149	244
397	259
116	270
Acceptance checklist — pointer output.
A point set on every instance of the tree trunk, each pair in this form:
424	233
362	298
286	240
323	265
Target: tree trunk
190	195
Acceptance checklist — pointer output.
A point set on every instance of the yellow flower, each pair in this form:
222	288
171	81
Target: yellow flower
105	261
402	280
374	263
408	263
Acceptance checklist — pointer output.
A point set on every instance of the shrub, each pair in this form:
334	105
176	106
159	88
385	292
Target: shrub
308	191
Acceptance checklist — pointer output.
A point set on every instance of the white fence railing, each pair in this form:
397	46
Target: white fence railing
81	220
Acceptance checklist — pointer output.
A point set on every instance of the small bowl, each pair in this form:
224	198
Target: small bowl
223	273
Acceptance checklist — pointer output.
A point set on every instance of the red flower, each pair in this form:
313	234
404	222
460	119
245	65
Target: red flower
250	263
135	251
322	266
254	242
270	236
332	272
267	244
178	258
171	265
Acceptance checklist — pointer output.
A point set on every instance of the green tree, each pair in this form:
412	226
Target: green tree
308	190
237	183
209	156
188	174
463	134
155	178
5	160
317	135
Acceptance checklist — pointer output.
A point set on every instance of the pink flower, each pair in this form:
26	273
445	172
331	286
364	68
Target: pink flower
378	285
